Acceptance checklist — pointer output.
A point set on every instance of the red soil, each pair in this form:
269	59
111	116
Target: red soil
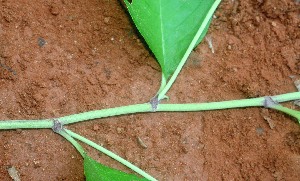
93	58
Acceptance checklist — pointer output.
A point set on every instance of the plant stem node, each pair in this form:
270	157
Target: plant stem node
57	126
154	103
269	102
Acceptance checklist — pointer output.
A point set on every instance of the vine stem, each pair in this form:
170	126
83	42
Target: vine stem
68	137
110	154
288	111
146	107
162	92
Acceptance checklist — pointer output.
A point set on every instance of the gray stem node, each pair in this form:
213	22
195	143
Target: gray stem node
154	103
57	126
269	102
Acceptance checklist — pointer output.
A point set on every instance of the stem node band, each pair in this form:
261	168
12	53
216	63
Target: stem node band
57	126
269	102
154	103
147	108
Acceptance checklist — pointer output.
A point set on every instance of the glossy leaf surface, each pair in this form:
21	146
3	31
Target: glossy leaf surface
168	27
96	171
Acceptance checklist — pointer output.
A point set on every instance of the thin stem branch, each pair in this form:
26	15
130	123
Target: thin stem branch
288	111
162	84
110	154
78	147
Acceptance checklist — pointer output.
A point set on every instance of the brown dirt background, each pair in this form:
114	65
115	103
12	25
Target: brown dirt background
94	58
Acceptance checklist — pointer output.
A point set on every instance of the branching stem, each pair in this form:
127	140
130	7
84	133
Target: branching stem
78	147
146	107
288	111
110	154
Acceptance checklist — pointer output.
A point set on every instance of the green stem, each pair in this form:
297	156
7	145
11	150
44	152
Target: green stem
78	147
26	124
162	84
140	108
288	111
110	154
210	13
136	108
146	107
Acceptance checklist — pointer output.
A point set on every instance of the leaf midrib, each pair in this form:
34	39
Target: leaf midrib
162	33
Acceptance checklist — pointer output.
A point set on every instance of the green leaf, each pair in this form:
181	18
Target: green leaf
168	27
95	171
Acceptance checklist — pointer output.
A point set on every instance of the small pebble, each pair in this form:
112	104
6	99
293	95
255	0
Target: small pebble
41	42
297	103
140	141
96	127
257	19
259	131
292	76
13	173
270	122
106	20
36	164
54	10
297	84
119	130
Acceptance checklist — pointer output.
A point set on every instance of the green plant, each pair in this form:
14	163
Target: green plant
161	40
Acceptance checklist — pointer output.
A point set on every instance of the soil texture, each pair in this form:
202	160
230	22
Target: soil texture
61	57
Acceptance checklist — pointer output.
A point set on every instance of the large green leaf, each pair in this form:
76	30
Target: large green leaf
95	171
168	27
